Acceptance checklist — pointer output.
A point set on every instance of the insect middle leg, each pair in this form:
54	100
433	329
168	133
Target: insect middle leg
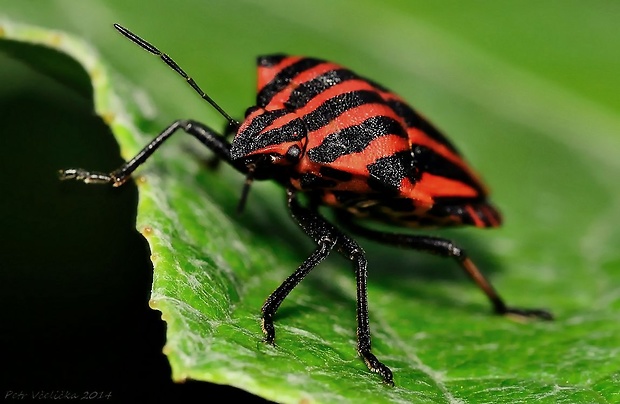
445	248
213	140
327	237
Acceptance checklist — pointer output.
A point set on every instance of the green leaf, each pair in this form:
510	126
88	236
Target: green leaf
543	134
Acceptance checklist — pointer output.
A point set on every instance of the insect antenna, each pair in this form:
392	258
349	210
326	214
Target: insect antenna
168	60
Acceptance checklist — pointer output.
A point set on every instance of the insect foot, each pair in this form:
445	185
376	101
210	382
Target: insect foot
519	313
268	329
87	177
377	367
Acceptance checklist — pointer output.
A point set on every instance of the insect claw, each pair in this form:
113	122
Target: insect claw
269	341
118	181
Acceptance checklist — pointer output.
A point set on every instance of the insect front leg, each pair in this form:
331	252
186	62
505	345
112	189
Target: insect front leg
327	237
214	161
446	248
214	141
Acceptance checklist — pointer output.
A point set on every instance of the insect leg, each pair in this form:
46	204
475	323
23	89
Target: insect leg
328	237
213	162
214	141
446	248
276	298
350	249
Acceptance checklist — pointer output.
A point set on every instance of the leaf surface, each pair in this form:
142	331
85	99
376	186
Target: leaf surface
546	146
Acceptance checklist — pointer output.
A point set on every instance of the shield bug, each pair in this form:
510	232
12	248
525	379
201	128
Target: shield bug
349	144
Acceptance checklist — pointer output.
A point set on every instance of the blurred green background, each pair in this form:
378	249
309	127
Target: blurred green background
527	90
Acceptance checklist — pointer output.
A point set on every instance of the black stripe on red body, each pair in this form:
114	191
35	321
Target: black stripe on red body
363	148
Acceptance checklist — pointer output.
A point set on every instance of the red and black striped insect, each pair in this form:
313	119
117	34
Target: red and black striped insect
349	144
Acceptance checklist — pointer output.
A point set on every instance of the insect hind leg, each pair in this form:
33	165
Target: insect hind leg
445	248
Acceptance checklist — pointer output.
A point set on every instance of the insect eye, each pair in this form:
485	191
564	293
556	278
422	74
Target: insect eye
293	153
